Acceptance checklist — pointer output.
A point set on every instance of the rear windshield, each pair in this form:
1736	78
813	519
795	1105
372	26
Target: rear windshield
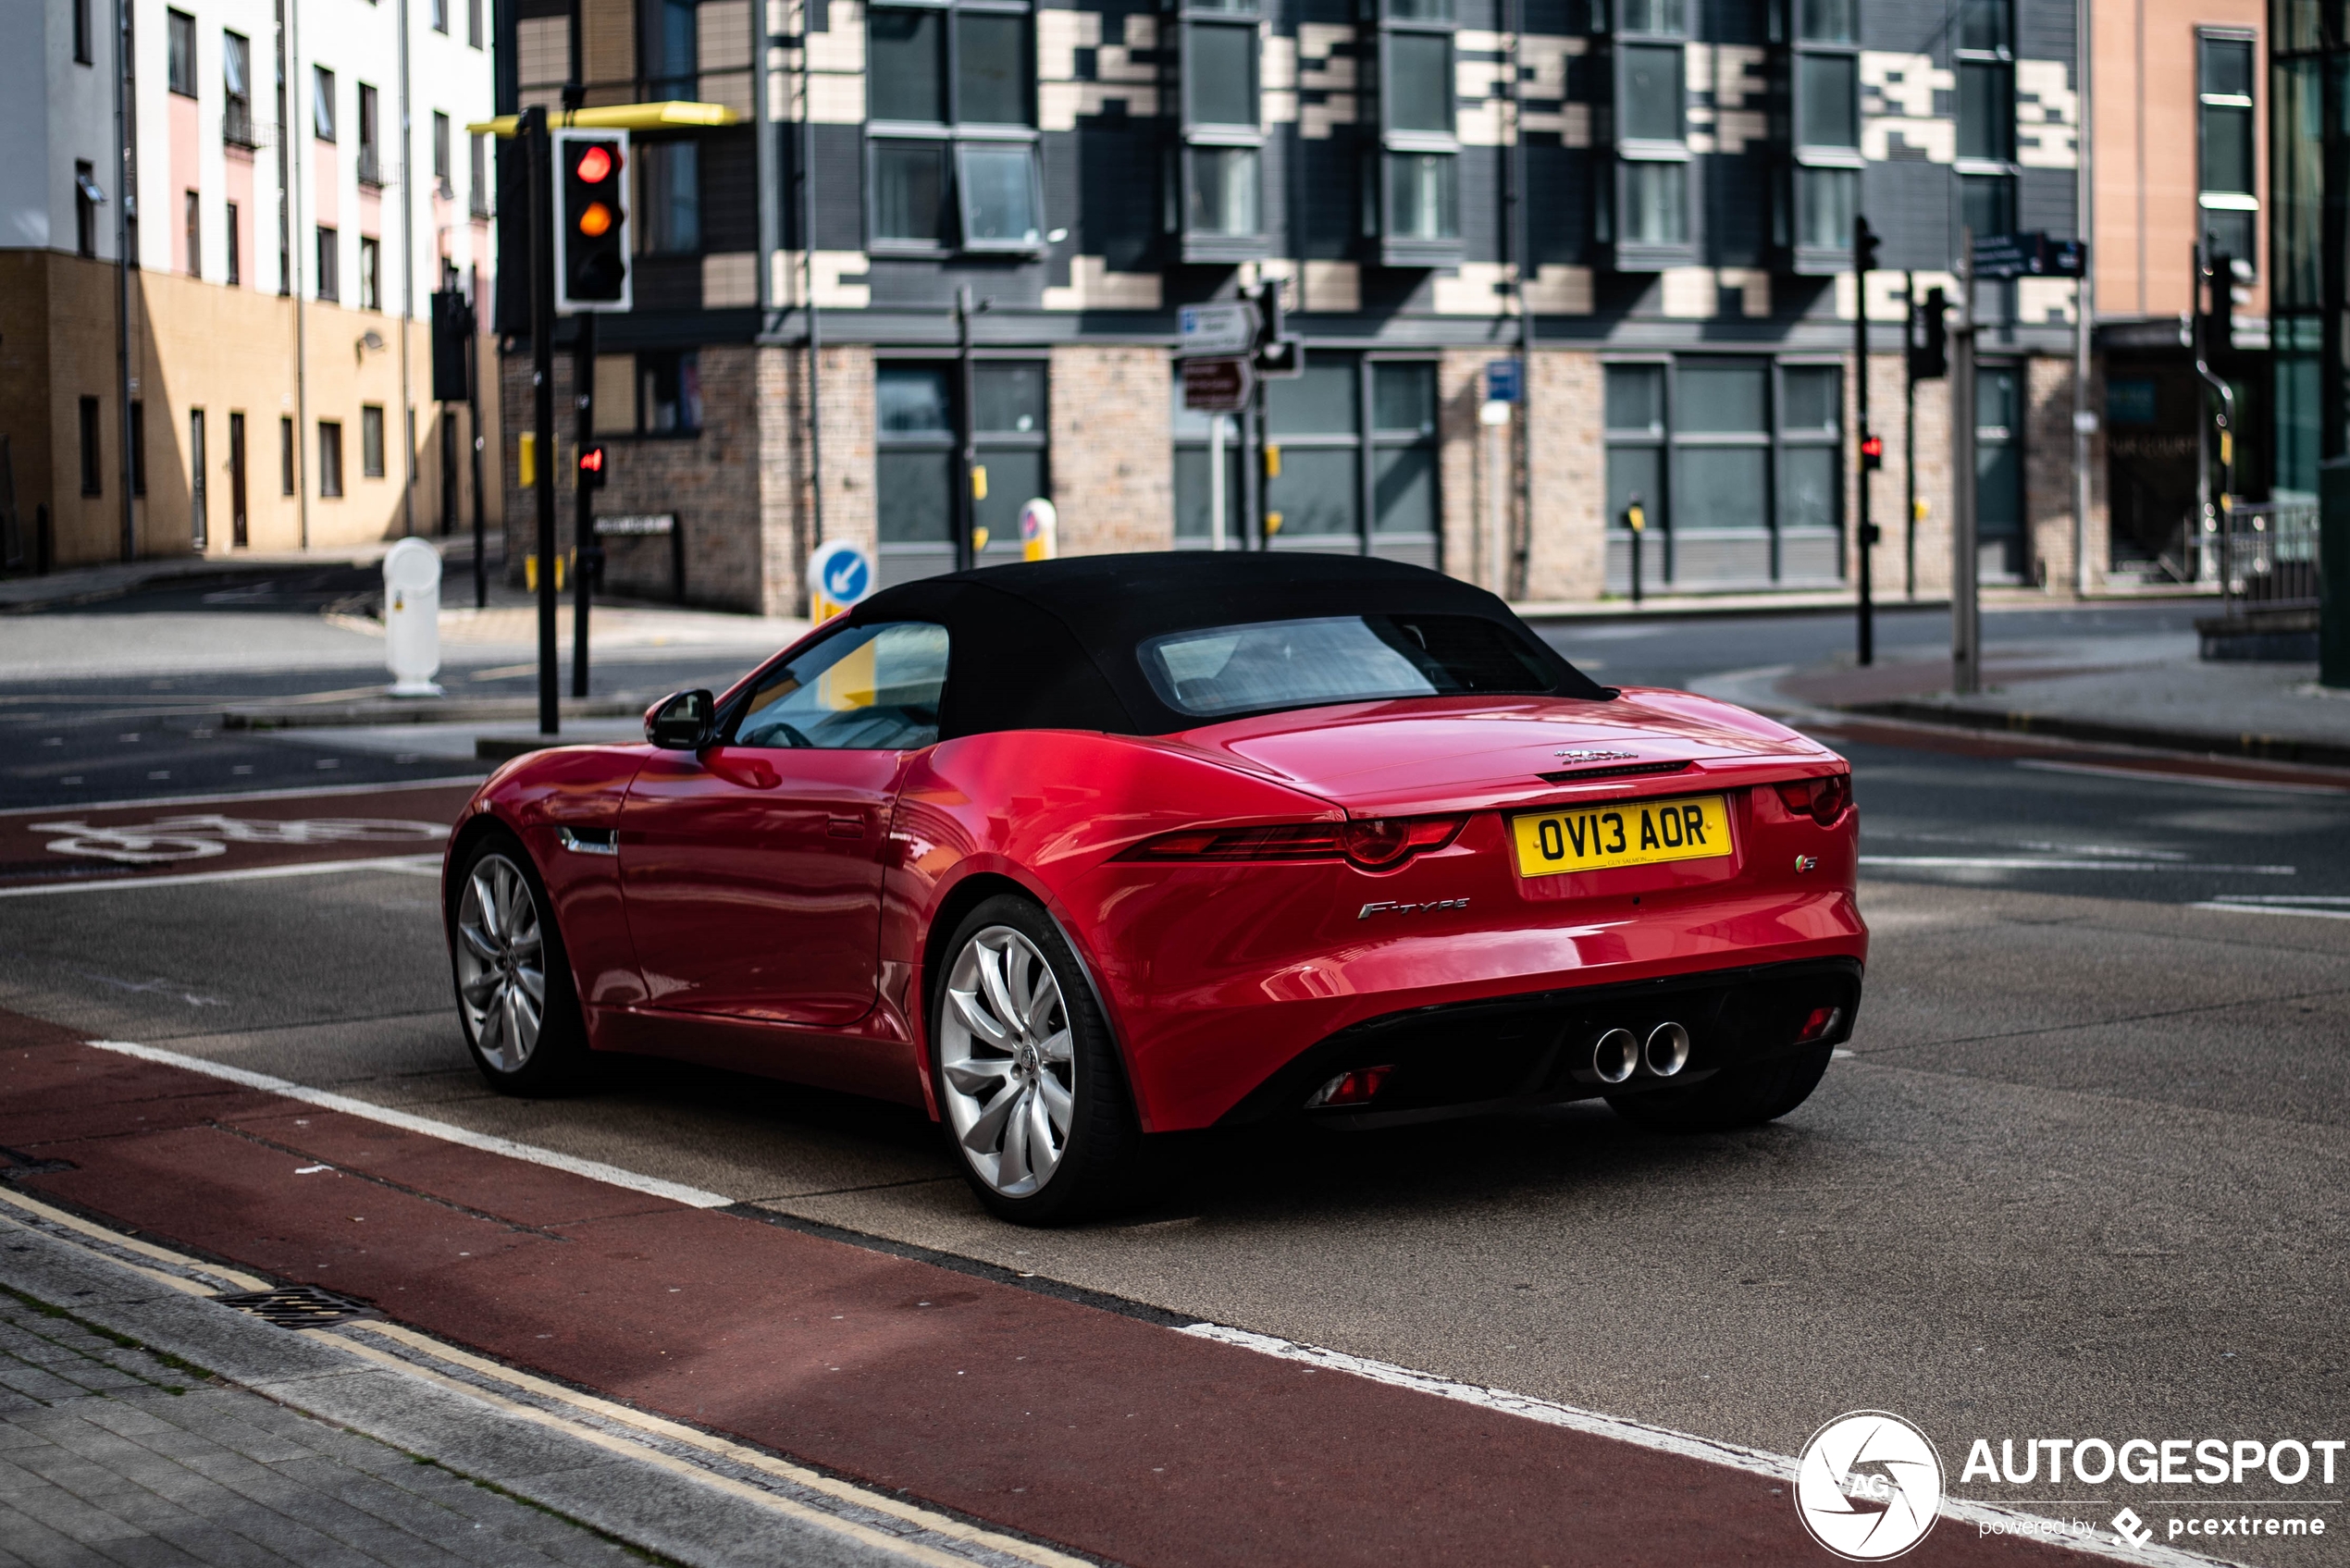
1215	671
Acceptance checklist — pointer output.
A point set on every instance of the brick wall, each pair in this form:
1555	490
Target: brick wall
1570	477
1113	459
1463	467
845	387
2047	472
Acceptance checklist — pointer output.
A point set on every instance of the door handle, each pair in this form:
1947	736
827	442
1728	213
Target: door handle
845	827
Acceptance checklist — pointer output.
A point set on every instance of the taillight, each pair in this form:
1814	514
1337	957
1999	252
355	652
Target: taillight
1376	844
1820	1024
1822	800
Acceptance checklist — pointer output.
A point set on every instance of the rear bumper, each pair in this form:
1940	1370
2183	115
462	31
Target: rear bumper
1462	1057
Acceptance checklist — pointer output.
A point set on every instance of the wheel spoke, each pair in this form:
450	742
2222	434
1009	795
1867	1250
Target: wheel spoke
978	1076
1042	1153
533	981
1060	1105
989	1131
483	948
485	900
975	1019
1015	1167
480	989
1038	1015
1019	982
991	978
492	1030
1057	1047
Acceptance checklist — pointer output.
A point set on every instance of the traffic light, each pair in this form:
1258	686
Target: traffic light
1930	358
1864	246
593	468
1278	357
592	228
1871	452
2229	285
452	326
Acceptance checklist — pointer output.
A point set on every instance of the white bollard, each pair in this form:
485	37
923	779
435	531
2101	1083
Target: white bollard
412	618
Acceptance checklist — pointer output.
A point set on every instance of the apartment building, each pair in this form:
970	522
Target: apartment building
950	235
220	225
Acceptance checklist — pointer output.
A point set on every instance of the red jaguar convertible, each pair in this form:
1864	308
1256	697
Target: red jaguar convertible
1073	853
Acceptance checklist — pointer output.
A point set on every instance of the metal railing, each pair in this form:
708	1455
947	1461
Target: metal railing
2268	555
236	124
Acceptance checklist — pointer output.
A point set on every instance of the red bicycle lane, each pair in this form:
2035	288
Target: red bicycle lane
1109	1434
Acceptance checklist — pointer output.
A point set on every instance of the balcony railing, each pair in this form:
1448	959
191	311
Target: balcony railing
370	170
236	124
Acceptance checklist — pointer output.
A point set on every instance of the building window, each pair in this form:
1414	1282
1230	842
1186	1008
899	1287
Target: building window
669	392
477	176
1646	215
673	55
1358	444
138	447
234	271
86	197
1823	187
1998	471
179	53
920	422
669	196
1984	59
440	16
93	461
236	87
440	169
2231	207
371	274
322	103
473	23
1986	204
285	456
191	218
371	441
331	457
82	31
1735	466
1416	198
330	264
953	150
1222	154
370	153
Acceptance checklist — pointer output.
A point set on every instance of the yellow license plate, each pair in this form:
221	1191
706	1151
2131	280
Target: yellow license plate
1632	833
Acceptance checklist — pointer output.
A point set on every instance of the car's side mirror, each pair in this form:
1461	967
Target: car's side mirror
681	721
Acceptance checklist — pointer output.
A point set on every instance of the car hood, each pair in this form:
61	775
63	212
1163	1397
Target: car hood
1457	754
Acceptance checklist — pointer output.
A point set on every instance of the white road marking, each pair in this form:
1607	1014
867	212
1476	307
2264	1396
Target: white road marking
594	1170
1665	1439
410	865
2248	907
2150	775
2042	863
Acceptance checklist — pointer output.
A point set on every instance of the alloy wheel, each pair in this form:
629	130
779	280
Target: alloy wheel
1006	1055
501	976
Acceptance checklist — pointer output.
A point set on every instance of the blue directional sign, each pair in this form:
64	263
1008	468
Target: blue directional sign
839	576
1504	381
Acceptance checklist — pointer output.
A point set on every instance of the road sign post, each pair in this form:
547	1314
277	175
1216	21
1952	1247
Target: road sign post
1966	654
840	577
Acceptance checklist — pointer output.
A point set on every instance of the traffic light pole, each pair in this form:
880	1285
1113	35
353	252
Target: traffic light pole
1908	441
1966	620
1863	242
583	525
539	158
473	403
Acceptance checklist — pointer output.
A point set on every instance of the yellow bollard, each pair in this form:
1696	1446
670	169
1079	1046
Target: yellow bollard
527	460
979	481
1272	524
1272	460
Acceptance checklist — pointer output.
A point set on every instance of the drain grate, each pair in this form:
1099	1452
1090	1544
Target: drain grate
298	1306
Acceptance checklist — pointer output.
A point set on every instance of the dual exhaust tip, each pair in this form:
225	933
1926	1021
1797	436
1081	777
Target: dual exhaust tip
1618	1054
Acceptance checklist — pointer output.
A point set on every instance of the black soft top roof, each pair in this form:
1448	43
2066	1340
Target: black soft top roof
1051	644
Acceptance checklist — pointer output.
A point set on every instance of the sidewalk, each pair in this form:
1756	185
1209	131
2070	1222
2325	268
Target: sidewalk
2144	691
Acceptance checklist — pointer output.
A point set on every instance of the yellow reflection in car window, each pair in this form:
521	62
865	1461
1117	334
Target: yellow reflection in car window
851	684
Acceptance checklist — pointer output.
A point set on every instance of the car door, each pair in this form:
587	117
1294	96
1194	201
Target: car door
751	869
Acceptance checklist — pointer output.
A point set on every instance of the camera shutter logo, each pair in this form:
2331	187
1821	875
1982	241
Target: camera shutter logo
1869	1486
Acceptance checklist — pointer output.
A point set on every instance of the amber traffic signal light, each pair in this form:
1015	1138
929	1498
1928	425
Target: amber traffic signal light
591	221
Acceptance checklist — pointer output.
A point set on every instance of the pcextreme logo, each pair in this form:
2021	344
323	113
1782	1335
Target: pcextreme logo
1869	1486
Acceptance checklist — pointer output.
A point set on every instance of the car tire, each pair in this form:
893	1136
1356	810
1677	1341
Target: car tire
1741	1096
1031	1095
508	962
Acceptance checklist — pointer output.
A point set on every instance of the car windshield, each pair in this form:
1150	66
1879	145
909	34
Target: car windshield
1215	671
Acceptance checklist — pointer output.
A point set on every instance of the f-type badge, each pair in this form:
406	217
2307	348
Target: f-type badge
1389	907
1597	756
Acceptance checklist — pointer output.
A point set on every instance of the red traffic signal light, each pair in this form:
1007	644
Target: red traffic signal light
591	467
1872	451
596	164
592	217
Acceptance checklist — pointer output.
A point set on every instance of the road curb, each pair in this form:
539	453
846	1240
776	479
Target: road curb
2252	747
416	711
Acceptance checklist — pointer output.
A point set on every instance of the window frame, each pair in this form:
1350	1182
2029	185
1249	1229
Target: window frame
236	110
1613	193
1196	136
954	133
330	480
1804	254
1388	144
371	273
180	52
929	557
323	107
2001	60
326	272
192	220
1364	443
368	166
2209	200
371	440
232	258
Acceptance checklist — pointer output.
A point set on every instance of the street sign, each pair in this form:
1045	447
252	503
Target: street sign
1217	386
840	576
1218	330
2029	254
1503	382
